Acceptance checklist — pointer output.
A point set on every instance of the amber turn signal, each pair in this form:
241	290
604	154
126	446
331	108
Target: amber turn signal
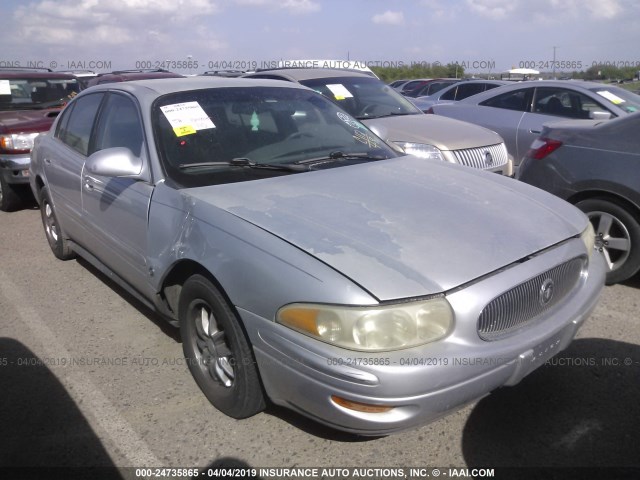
360	407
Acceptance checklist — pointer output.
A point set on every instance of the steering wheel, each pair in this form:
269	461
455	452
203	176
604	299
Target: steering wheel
368	109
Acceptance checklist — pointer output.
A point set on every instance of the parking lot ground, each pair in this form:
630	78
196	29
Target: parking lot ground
88	377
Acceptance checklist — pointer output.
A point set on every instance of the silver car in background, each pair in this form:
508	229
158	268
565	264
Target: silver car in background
518	111
304	260
397	121
456	92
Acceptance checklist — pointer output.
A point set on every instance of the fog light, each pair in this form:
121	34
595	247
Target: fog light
360	407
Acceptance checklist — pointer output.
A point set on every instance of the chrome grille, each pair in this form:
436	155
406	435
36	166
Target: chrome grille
524	303
477	157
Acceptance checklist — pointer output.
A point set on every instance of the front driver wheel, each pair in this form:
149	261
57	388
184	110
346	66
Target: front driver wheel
217	351
617	237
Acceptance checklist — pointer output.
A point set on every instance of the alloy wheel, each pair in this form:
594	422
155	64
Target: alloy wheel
612	239
212	349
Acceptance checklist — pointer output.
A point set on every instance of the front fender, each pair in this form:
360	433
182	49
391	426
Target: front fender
258	271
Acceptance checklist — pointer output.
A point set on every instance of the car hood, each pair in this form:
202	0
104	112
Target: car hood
442	132
404	227
27	121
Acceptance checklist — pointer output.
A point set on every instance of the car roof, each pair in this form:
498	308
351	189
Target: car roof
163	86
482	80
575	85
299	74
8	74
130	75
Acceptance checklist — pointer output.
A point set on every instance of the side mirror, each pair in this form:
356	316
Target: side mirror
600	115
114	162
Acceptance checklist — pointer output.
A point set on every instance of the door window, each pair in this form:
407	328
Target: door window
516	100
468	89
564	103
119	125
76	125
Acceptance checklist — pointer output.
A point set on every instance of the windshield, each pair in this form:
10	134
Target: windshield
363	97
621	98
225	135
29	93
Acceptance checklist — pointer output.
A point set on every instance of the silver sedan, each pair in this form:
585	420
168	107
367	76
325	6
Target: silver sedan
303	260
456	92
518	112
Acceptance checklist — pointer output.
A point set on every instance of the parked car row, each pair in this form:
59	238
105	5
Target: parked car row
361	94
367	99
306	261
518	111
397	121
577	140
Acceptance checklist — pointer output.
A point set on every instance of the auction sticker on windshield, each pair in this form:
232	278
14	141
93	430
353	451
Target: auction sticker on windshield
187	118
5	88
339	91
611	97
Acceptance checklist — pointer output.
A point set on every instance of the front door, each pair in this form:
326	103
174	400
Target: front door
116	209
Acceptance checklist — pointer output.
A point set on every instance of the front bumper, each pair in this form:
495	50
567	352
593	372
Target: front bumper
15	168
427	382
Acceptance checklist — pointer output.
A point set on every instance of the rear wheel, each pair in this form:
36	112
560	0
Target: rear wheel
59	245
217	351
617	237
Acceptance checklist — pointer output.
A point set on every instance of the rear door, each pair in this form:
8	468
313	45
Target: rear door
503	114
64	159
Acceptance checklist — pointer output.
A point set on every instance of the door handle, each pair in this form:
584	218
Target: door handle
537	132
88	184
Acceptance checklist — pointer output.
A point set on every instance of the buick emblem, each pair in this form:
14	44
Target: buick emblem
546	292
488	158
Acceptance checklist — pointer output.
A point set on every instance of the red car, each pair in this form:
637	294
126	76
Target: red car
128	75
30	99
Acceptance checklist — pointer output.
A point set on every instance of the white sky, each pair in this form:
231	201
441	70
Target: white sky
481	34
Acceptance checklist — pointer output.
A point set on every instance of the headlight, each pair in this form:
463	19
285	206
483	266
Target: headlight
421	150
17	142
588	237
371	328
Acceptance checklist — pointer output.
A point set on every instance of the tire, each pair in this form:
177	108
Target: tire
617	237
217	351
10	198
57	241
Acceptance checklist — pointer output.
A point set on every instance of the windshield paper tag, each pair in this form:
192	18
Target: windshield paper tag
611	97
187	118
339	91
5	88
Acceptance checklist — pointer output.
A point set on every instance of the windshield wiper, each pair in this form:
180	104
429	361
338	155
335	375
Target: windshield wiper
245	162
338	156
